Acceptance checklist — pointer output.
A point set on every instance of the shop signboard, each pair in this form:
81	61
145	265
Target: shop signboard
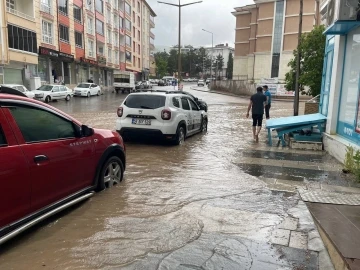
282	91
88	61
56	54
271	83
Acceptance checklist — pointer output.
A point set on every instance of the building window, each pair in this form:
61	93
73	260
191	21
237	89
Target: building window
128	40
64	33
109	55
108	36
10	4
138	21
134	32
139	49
22	39
139	62
138	6
116	37
99	4
116	57
99	27
128	25
91	48
134	61
127	8
90	26
108	17
138	35
45	6
134	46
77	14
115	4
134	17
278	28
133	3
100	50
47	32
78	39
121	23
116	21
89	4
63	6
128	56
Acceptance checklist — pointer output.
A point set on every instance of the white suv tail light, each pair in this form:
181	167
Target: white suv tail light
166	114
120	111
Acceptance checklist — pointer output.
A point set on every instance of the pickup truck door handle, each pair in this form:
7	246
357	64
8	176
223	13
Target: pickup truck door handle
40	158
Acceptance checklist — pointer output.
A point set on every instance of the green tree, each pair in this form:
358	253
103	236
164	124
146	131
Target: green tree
172	62
161	61
219	63
230	67
312	49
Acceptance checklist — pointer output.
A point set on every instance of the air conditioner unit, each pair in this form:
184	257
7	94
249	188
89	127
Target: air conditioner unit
343	10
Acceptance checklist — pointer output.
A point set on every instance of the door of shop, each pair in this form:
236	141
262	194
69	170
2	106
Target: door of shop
326	77
13	76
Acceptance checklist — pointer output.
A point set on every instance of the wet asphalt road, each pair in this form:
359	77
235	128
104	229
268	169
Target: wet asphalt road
188	207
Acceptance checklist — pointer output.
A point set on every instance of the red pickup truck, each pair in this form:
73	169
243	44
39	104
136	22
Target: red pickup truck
49	161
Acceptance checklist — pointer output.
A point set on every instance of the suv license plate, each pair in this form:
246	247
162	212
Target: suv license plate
141	122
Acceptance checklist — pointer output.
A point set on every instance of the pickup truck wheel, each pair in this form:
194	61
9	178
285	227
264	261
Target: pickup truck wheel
111	173
47	99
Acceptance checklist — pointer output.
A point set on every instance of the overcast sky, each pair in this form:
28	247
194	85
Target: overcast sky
212	15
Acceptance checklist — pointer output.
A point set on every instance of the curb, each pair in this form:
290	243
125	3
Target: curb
234	95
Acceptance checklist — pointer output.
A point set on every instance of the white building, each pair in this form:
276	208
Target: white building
340	86
224	50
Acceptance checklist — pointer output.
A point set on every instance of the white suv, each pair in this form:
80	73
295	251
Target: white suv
160	114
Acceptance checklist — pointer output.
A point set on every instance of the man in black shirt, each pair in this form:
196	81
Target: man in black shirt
257	104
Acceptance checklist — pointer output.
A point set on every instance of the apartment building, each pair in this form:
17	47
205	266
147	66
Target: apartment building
139	18
67	41
267	34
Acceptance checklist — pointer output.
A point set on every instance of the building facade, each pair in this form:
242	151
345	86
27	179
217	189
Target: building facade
139	40
65	41
267	34
340	90
224	50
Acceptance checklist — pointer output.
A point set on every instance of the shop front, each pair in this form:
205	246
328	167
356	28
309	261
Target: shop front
89	70
55	66
340	93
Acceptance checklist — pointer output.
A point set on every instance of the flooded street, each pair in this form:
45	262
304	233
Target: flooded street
219	201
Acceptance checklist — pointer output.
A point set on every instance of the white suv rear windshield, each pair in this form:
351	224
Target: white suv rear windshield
145	101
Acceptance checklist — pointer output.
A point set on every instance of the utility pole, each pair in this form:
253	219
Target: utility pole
212	49
298	61
179	43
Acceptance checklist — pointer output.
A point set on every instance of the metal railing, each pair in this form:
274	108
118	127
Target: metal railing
20	14
45	8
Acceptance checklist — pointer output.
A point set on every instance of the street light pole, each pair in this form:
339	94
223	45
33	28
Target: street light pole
179	44
298	65
212	49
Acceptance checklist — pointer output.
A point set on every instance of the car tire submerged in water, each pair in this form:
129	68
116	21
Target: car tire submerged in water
98	93
47	99
88	95
68	97
204	125
180	136
111	173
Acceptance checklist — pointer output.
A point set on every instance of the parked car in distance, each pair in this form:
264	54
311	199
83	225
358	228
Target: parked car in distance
161	83
87	90
54	160
165	115
147	84
138	86
201	83
49	92
22	89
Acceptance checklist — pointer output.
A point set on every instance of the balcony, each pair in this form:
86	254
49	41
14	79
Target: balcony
23	9
152	22
152	35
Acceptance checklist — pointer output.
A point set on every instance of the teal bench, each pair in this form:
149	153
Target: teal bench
285	125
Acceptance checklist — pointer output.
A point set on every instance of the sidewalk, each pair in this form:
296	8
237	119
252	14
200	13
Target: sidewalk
331	197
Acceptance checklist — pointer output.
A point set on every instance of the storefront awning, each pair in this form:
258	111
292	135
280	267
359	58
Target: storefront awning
341	27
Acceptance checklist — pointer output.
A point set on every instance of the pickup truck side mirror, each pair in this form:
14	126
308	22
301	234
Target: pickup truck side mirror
86	131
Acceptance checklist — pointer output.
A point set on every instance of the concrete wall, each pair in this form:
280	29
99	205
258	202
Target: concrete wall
284	60
242	88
